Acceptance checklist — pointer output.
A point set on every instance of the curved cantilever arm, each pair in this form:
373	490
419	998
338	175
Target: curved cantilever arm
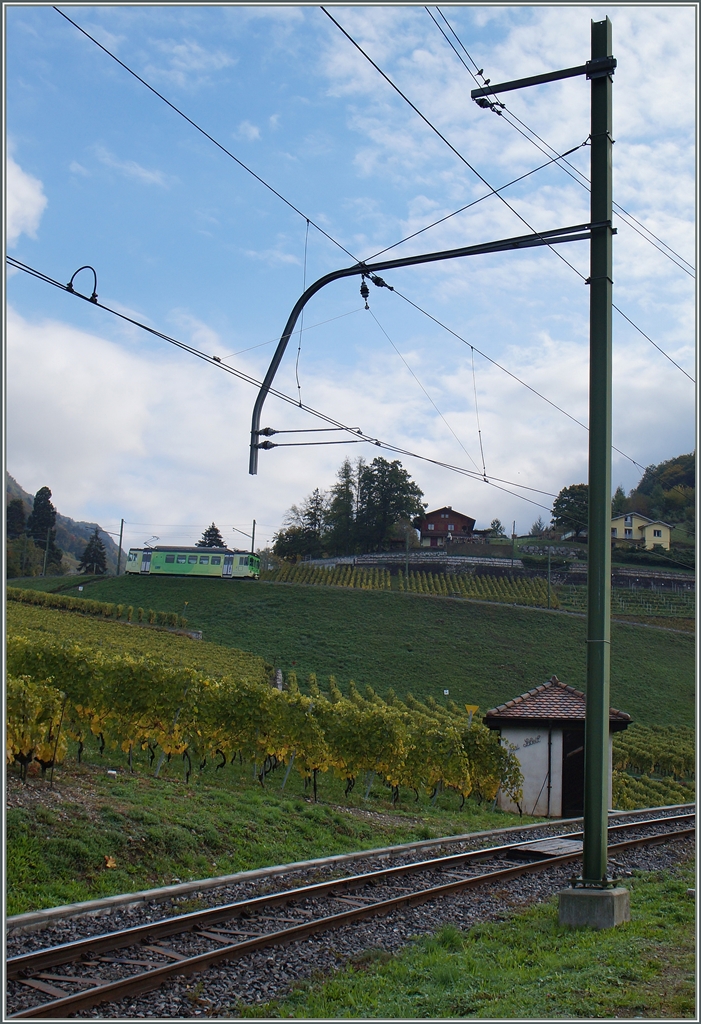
574	233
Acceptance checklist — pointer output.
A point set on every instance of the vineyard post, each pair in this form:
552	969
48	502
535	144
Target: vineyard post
548	575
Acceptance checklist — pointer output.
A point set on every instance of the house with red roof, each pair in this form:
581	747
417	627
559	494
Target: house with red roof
545	728
443	526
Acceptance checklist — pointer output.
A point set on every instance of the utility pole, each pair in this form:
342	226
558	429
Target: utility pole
591	900
548	575
253	538
599	540
513	542
406	558
119	554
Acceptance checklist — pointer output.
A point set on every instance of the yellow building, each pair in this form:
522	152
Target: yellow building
638	529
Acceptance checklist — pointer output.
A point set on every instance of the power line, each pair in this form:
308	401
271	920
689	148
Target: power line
273	341
354	430
483	179
504	110
423	389
207	135
357	432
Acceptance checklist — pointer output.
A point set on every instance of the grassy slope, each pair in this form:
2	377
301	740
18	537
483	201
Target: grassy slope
484	654
161	830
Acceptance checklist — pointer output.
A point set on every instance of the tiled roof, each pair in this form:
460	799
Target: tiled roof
552	700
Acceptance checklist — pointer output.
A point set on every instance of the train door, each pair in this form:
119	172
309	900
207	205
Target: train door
146	562
228	565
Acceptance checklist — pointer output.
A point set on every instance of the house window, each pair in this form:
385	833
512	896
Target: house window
170	558
657	533
629	520
629	533
614	531
451	527
204	559
444	515
192	559
182	559
430	526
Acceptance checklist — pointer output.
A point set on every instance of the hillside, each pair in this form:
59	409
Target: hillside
484	654
71	535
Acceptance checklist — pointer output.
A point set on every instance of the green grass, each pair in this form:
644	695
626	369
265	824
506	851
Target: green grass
484	654
524	968
159	830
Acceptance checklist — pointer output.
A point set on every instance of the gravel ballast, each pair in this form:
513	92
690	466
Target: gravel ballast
270	973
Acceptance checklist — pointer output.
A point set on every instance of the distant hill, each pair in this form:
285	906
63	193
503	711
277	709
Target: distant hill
667	491
71	536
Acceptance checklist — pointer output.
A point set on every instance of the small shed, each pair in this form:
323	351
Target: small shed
546	728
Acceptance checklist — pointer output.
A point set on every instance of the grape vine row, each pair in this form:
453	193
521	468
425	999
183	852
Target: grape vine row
139	702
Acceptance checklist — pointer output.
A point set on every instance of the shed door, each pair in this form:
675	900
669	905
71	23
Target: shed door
572	773
146	562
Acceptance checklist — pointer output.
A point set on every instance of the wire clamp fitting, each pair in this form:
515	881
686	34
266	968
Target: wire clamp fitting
70	288
364	292
604	277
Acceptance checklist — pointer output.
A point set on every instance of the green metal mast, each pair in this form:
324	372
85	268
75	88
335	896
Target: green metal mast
599	542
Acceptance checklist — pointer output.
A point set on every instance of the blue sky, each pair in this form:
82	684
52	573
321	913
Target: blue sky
102	172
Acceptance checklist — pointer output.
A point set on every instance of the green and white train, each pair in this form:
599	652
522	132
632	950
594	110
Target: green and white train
220	562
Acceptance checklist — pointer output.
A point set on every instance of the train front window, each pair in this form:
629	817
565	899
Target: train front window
204	559
182	559
192	559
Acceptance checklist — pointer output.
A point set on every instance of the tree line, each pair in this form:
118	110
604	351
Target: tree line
369	506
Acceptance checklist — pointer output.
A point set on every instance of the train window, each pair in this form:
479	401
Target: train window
243	560
204	559
192	559
181	559
216	559
170	558
132	556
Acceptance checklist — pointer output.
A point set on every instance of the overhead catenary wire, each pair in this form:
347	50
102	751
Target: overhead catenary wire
274	341
277	394
483	179
206	134
354	430
423	389
477	412
504	111
301	317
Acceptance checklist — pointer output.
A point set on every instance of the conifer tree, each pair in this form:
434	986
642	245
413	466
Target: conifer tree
94	558
211	538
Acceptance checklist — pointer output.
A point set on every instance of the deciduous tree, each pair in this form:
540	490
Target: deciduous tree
571	508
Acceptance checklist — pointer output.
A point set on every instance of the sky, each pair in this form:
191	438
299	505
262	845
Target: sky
101	172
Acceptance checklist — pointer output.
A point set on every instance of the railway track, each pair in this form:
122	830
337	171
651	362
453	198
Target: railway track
78	975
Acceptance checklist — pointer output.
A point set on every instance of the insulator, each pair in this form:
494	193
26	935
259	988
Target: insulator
364	292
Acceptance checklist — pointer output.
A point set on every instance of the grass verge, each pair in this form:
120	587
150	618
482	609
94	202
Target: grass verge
96	834
524	968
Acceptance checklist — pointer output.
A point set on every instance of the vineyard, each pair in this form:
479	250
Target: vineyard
531	593
64	690
653	765
112	637
101	609
625	601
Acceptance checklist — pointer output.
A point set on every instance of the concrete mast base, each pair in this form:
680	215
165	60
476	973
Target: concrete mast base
593	908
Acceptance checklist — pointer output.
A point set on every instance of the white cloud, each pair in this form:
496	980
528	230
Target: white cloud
130	169
26	202
248	131
76	168
189	64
